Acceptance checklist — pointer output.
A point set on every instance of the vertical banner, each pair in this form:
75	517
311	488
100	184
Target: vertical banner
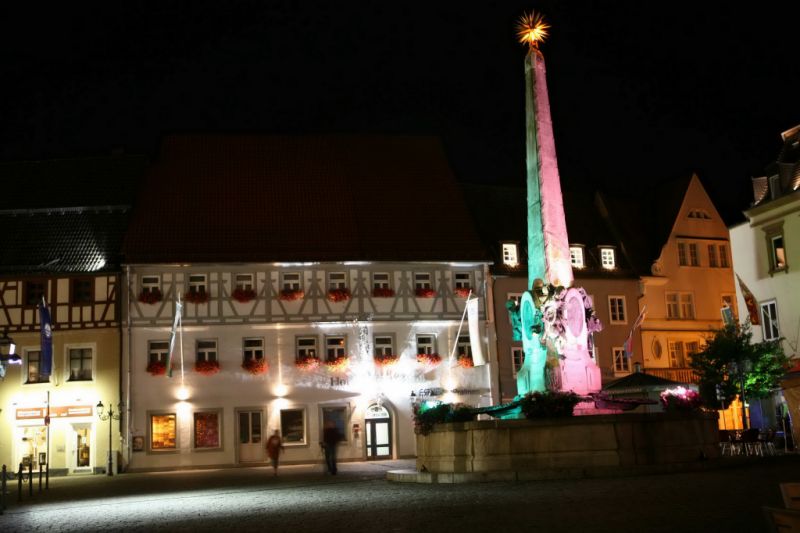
475	332
46	359
175	324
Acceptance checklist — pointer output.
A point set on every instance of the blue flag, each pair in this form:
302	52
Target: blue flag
46	361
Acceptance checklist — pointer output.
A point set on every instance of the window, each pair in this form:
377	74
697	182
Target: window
576	256
463	348
607	258
206	351
207	430
701	214
151	285
621	361
290	281
384	345
676	357
422	280
306	348
82	291
510	256
691	349
252	349
687	305
514	296
380	280
769	321
682	260
463	280
616	309
338	417
244	282
680	305
673	309
197	283
335	347
336	280
694	260
34	291
730	301
157	352
163	432
723	256
293	426
712	255
34	359
80	364
517	358
778	253
426	344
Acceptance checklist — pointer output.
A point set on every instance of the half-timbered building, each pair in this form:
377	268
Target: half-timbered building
321	280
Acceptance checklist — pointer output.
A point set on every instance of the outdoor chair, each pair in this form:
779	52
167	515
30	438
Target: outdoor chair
782	519
791	495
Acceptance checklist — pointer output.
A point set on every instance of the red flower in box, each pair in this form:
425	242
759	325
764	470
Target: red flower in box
207	368
339	295
196	297
307	363
150	296
462	292
465	361
386	360
243	295
255	366
340	364
430	360
289	295
381	292
157	368
425	293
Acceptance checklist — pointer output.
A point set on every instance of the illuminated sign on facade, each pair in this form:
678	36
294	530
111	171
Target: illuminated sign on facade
64	411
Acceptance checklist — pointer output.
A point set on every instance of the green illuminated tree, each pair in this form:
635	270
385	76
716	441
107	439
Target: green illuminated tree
732	344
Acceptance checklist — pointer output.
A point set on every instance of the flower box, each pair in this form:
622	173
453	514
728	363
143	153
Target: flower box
207	368
465	361
386	360
429	360
243	295
150	297
290	295
462	292
307	363
381	292
425	293
157	368
196	297
340	364
339	295
255	366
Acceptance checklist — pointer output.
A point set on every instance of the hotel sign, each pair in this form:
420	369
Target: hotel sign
62	411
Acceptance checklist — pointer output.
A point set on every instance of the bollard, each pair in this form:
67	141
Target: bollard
3	491
40	477
47	475
19	483
30	479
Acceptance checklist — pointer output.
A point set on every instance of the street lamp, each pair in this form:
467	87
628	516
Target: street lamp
110	416
8	353
740	369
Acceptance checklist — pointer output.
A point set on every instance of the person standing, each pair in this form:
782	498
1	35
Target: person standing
331	438
274	449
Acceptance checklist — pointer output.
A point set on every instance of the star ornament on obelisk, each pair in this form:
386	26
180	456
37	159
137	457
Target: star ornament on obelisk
548	245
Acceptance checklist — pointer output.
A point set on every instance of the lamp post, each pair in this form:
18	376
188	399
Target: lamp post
110	416
740	369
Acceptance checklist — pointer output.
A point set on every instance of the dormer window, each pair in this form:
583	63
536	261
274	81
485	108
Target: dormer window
510	255
701	214
607	258
576	256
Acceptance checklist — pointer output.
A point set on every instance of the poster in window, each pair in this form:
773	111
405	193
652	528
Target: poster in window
138	443
337	415
293	426
162	432
206	430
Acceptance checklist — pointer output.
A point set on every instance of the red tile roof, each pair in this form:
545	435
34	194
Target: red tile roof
242	198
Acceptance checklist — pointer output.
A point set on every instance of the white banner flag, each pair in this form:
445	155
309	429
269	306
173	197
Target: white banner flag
475	332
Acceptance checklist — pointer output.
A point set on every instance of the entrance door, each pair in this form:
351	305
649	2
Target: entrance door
251	449
378	429
80	448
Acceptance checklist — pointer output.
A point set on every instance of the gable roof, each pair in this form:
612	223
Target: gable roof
248	198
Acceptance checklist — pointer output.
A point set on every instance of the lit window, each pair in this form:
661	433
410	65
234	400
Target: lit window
335	347
336	280
244	282
607	258
729	300
682	259
207	430
206	351
426	344
694	259
616	309
157	352
80	364
510	256
163	432
290	281
197	284
252	349
778	253
34	360
769	320
621	361
676	355
712	255
305	348
293	426
384	346
517	358
422	280
380	280
576	256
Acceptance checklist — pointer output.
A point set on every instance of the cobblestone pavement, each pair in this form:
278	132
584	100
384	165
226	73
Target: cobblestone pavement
302	498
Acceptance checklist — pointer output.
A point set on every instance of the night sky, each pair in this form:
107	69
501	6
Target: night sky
641	92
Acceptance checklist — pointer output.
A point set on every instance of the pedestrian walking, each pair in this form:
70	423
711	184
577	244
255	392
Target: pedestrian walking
274	449
330	439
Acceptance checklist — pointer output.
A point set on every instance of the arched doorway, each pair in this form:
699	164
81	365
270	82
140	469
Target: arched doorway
378	430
